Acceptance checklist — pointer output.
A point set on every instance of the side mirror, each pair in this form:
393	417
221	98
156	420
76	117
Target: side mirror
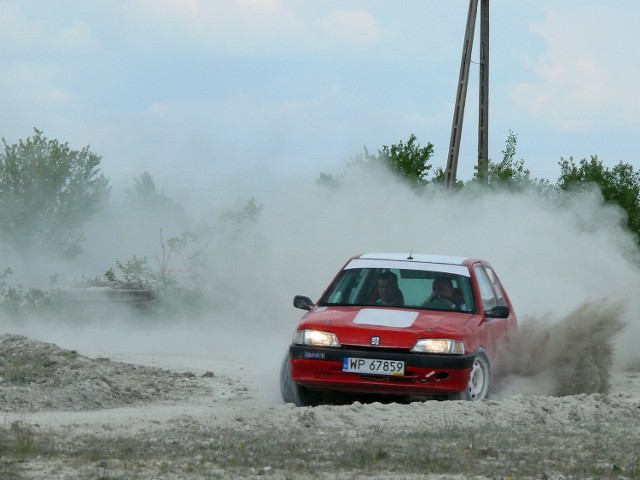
302	302
497	312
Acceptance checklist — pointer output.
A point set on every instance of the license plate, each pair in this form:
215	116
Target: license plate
369	365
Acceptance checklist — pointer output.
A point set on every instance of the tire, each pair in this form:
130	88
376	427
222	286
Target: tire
479	384
291	392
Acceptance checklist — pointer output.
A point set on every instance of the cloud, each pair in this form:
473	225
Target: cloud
351	27
77	36
586	71
23	80
16	32
20	32
248	26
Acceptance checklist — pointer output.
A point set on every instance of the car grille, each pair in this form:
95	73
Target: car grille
376	349
389	379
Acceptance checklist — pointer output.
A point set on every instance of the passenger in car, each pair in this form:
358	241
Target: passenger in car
388	290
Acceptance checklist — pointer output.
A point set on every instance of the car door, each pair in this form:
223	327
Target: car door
502	299
496	328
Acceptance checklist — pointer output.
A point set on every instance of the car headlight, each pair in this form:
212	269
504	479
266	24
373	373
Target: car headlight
315	338
438	345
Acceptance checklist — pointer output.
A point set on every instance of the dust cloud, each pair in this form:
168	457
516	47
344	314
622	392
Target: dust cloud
569	266
566	356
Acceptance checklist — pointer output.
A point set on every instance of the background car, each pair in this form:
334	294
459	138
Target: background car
433	331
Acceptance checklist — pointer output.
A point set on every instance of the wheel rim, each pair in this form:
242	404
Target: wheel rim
478	379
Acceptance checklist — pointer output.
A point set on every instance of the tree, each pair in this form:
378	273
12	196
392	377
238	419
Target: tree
408	161
509	172
47	192
144	198
145	195
620	184
248	214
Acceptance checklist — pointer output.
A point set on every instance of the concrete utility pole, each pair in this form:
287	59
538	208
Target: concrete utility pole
463	82
483	120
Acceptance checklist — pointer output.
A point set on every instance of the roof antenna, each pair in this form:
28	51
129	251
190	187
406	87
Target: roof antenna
410	257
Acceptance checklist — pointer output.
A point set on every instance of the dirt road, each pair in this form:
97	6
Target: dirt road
69	414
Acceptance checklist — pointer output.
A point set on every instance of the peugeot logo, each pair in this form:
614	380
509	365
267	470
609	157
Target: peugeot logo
375	341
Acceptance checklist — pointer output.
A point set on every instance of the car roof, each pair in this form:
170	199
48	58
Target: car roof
402	261
416	257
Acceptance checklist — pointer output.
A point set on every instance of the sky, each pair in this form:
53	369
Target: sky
202	93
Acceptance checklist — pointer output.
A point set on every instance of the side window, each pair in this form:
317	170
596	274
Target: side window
496	287
489	299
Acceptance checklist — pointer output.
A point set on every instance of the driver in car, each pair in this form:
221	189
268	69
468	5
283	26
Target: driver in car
443	292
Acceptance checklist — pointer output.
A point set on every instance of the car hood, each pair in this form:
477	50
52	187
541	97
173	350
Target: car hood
396	328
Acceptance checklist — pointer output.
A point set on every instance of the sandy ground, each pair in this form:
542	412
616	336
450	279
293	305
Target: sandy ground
202	418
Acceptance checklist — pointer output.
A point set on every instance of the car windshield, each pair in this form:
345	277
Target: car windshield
403	288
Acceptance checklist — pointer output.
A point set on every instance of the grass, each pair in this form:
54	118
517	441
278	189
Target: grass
591	449
23	370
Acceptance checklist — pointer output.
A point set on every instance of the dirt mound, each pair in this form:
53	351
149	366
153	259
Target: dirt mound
37	376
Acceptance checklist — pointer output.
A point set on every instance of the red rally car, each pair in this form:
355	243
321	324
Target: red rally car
401	325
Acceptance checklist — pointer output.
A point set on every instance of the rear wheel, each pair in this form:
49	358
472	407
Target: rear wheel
479	383
292	392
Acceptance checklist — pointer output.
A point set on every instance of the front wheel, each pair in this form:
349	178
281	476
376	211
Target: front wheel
291	392
479	380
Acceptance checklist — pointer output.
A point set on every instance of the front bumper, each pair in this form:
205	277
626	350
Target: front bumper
425	374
